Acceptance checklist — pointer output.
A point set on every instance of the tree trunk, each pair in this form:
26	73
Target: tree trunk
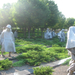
29	32
33	33
38	32
24	32
42	33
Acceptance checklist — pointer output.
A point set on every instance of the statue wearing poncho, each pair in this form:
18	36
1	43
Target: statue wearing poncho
70	46
7	40
48	34
61	35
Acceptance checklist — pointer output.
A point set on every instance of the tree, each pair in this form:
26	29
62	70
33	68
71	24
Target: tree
6	15
61	22
69	22
53	15
31	13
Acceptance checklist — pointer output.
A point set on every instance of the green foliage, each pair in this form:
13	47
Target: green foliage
61	44
57	42
55	45
20	63
4	53
61	21
35	57
5	64
66	62
29	47
0	47
21	42
29	13
43	70
59	49
69	22
36	51
54	14
39	41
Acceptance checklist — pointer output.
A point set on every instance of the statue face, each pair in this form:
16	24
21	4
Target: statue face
8	29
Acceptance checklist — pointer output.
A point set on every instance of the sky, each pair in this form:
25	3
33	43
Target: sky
67	7
6	1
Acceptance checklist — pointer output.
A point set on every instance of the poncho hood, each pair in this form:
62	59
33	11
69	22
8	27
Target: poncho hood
70	38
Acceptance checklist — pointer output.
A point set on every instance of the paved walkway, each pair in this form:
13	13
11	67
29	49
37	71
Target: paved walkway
27	70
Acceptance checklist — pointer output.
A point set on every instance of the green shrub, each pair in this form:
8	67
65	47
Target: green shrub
57	49
5	64
26	48
35	57
60	49
40	41
35	51
22	42
61	44
20	57
43	70
60	52
20	49
31	56
55	45
20	63
37	63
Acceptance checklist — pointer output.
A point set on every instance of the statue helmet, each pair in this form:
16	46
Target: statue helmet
8	26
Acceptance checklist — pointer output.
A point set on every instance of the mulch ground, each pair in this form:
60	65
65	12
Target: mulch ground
60	70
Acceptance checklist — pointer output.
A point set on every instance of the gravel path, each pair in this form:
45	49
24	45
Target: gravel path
60	70
15	69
